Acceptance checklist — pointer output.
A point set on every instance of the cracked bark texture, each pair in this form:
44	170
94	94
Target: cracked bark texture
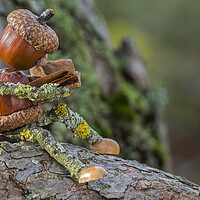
28	172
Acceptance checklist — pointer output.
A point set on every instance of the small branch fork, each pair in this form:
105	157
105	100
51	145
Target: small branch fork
63	114
44	138
59	113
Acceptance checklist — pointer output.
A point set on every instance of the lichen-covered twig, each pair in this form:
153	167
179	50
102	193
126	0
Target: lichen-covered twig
45	92
72	120
44	138
59	113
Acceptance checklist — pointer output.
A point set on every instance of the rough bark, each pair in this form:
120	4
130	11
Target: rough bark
28	172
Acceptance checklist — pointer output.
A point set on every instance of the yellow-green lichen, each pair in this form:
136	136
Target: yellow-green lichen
27	135
66	94
61	109
82	130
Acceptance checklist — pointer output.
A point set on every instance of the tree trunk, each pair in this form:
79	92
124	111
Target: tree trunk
28	172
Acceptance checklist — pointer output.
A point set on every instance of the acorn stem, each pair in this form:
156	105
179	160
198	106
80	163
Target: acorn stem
46	15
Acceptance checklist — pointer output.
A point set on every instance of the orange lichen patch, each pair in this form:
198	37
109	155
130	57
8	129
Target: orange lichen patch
106	146
92	173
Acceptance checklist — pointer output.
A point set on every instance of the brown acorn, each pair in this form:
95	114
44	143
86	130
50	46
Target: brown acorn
106	146
10	104
27	38
20	118
92	173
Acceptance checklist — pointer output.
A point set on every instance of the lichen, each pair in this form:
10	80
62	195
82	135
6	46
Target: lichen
27	135
55	149
72	120
82	130
45	92
61	109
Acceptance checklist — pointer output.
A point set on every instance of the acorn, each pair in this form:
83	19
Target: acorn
27	38
20	118
8	103
106	146
92	173
16	112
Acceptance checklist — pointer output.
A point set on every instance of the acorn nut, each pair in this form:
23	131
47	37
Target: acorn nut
8	103
27	38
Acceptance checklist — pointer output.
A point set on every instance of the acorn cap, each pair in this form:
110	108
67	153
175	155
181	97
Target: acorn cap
34	30
20	118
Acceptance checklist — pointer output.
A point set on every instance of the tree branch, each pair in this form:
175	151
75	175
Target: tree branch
72	120
45	92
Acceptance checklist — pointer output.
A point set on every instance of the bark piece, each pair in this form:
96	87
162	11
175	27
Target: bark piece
61	72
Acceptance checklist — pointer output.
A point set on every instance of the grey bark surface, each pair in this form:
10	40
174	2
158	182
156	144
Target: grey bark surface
28	172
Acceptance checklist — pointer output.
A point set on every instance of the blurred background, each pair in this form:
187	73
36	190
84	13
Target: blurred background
168	36
139	63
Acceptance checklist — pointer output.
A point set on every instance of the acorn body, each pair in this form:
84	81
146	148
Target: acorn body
16	52
10	104
27	38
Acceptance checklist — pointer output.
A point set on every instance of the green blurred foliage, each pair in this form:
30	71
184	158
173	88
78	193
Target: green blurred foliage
170	30
111	115
119	29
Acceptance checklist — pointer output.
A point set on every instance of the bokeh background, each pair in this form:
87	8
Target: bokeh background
168	36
